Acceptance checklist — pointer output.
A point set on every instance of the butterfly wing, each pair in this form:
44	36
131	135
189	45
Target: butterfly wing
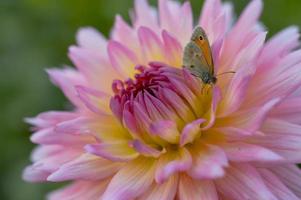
194	60
200	38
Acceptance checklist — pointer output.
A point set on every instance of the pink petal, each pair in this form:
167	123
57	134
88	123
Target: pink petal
276	186
151	45
122	59
166	190
176	19
115	150
172	49
243	182
251	120
191	131
236	92
48	136
196	189
31	174
131	181
216	98
95	67
144	149
145	15
90	38
166	130
181	108
85	167
121	28
243	152
288	110
66	79
54	160
290	175
51	118
277	47
214	19
171	163
282	137
96	101
79	125
80	190
237	36
208	162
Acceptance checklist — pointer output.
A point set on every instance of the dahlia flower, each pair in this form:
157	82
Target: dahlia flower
142	128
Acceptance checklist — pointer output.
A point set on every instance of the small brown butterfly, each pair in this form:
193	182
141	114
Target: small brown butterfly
197	57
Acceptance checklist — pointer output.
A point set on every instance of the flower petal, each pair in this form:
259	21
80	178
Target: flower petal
122	59
172	49
176	19
290	175
151	45
80	190
172	162
282	137
249	120
145	15
166	130
190	188
166	190
276	186
66	79
138	176
90	38
85	167
208	162
95	67
115	150
243	152
191	131
96	101
247	181
144	149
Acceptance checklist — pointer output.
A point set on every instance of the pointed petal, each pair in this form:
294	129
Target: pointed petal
208	162
122	59
171	163
95	67
145	15
276	186
131	181
115	150
144	149
166	190
243	152
196	189
90	38
67	79
80	190
166	130
290	175
85	167
191	131
247	181
151	45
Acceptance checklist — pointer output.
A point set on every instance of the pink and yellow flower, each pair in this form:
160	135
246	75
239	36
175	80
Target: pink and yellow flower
142	128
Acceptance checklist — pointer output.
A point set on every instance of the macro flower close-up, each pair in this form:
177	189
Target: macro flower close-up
143	125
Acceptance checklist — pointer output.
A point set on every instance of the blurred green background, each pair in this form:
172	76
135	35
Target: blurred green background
35	35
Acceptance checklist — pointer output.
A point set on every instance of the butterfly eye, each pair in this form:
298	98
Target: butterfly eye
201	38
191	66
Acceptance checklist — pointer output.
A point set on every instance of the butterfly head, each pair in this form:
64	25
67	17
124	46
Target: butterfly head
207	78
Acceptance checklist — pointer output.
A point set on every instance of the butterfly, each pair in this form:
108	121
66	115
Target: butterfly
197	57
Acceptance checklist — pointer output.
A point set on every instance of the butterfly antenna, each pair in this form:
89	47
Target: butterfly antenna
229	72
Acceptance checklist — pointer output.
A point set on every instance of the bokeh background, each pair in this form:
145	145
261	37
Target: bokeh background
34	35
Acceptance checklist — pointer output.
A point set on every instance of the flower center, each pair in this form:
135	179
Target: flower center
158	93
